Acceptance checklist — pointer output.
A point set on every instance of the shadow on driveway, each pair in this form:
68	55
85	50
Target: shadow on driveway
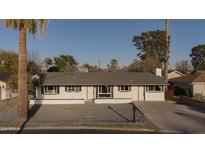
32	111
191	107
98	113
137	115
200	120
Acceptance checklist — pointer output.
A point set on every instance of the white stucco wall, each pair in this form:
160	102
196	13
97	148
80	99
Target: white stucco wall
199	88
133	93
154	96
89	92
66	95
3	92
141	93
113	100
46	101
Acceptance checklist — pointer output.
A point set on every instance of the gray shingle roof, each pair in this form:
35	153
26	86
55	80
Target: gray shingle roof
4	76
101	78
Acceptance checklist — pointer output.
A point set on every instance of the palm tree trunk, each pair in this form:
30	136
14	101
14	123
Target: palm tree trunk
22	75
166	52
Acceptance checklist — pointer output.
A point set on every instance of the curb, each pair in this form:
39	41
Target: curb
92	128
5	129
137	130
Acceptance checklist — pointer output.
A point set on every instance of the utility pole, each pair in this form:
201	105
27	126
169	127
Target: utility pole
98	63
166	63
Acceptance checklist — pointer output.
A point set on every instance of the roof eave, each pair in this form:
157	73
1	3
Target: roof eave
163	84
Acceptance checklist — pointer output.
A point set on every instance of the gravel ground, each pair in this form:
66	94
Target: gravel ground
8	114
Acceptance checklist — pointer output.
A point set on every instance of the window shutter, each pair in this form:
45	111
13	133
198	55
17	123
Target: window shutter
66	88
58	89
45	89
42	90
118	88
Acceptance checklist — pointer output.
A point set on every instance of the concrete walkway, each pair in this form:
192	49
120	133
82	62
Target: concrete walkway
173	117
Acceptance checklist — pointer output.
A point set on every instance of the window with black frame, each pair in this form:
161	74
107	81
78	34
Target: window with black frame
154	88
104	91
50	90
124	88
72	88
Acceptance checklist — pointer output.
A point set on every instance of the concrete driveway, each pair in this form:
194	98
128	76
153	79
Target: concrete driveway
83	118
170	116
86	113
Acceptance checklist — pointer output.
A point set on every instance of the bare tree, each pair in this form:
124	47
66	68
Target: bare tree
135	66
33	56
184	66
150	63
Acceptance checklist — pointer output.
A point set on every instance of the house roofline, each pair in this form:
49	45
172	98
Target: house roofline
102	84
177	72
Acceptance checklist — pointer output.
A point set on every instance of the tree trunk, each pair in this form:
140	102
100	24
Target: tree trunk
22	75
166	64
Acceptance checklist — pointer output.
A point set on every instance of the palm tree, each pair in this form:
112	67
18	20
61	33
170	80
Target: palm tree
31	26
166	52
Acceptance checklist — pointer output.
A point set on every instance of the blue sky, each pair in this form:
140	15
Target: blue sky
92	40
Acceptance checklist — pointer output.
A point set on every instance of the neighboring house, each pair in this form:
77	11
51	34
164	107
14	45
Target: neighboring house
83	69
175	74
190	84
99	87
5	92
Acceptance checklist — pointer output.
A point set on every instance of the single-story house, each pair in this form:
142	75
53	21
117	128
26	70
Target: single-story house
175	74
99	87
5	92
191	85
